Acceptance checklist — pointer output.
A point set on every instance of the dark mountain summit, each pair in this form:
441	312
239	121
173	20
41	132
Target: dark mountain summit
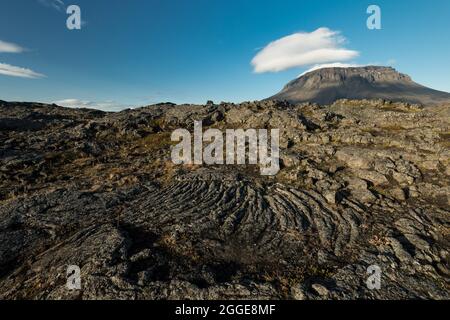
324	86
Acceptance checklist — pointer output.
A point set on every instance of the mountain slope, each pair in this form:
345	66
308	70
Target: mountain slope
324	86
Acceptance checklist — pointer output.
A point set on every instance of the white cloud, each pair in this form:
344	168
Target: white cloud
303	49
331	65
55	4
10	47
103	105
13	71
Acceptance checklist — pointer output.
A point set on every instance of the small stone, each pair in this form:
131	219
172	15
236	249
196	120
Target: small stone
398	194
320	289
330	196
297	293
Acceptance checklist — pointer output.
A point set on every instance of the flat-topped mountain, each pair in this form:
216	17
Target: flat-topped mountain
325	86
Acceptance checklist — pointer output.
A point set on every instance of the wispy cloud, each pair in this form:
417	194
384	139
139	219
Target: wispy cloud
13	71
102	105
303	49
55	4
10	47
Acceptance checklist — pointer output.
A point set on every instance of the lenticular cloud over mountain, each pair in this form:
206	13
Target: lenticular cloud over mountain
303	49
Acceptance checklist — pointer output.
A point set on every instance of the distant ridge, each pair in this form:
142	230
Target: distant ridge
325	86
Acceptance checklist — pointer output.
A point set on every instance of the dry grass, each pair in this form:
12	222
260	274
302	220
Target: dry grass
393	127
155	142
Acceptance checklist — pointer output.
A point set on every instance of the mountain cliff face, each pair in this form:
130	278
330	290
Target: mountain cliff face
325	86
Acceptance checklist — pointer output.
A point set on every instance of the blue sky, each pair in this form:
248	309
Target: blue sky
138	52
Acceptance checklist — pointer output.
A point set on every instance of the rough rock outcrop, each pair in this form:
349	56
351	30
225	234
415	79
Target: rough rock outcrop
362	183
